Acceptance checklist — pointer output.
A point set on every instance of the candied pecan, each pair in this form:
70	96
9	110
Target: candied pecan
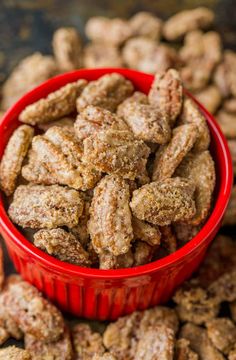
146	232
232	354
67	48
93	119
166	93
146	24
227	122
143	253
62	245
169	156
161	203
60	349
56	105
225	77
210	97
222	333
157	343
168	239
105	356
56	158
110	224
116	152
86	342
195	304
200	343
80	231
106	92
147	122
187	20
137	98
185	232
220	258
200	55
145	55
192	115
65	122
230	105
33	314
200	169
183	350
14	353
38	206
224	288
99	55
30	72
121	337
4	335
110	261
112	31
13	157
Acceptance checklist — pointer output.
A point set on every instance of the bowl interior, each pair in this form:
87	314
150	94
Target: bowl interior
142	82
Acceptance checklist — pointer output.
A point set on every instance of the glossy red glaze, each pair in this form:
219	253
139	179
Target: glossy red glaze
108	294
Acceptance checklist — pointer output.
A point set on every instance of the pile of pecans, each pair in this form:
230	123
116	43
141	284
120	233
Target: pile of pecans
194	327
113	185
200	322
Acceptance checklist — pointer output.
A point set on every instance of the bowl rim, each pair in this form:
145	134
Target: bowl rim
8	228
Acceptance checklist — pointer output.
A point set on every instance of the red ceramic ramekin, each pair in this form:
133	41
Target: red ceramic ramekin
108	294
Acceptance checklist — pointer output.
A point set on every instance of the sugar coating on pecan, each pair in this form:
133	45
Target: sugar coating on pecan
59	152
210	97
191	114
14	353
147	122
93	119
13	157
67	48
100	55
222	333
109	261
168	239
227	122
146	55
224	76
105	356
106	92
167	93
200	169
200	342
195	305
164	202
146	232
146	24
183	350
112	31
116	152
33	314
200	55
60	349
65	122
110	224
57	104
29	73
62	245
122	337
142	253
39	206
187	20
169	156
86	342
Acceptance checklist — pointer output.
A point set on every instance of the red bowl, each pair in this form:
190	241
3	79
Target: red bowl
108	294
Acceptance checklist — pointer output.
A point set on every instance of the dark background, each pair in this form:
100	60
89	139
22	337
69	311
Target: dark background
27	25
